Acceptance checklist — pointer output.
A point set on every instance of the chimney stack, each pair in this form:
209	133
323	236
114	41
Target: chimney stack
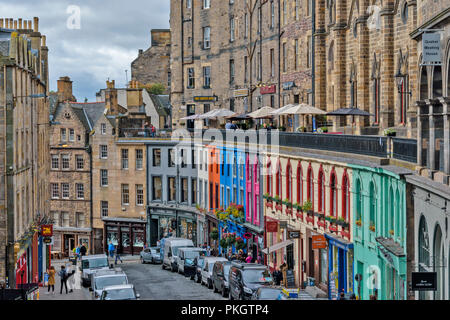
1	23
15	24
65	90
30	26
36	24
44	41
111	99
20	23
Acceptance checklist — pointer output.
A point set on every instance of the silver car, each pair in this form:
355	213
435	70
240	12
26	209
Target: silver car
90	265
106	279
152	255
122	292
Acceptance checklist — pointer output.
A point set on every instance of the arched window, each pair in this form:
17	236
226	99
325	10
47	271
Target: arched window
289	181
398	227
438	258
359	204
256	171
310	186
437	82
278	179
424	84
333	195
269	178
389	214
299	184
373	204
321	185
345	197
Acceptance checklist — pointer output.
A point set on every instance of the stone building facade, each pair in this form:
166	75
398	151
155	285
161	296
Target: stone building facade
24	149
225	54
362	51
70	173
153	65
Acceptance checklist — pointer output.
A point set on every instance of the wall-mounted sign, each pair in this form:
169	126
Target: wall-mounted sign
424	281
431	48
47	230
319	242
268	89
293	234
205	98
240	93
247	235
272	226
283	224
47	240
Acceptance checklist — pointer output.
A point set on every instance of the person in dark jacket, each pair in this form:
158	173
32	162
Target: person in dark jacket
277	276
64	276
83	250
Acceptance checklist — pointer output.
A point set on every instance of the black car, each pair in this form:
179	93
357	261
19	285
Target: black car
220	276
246	278
268	293
199	263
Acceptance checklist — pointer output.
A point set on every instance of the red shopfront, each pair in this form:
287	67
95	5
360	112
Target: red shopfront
127	235
27	263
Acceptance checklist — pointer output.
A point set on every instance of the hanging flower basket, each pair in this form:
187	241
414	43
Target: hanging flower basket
300	215
333	228
372	227
288	211
279	207
310	219
223	243
269	204
214	234
358	223
321	223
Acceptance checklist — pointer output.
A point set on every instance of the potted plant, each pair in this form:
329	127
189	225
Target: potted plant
239	243
287	202
390	132
391	232
282	128
372	226
266	196
223	243
214	234
307	206
301	129
358	222
341	221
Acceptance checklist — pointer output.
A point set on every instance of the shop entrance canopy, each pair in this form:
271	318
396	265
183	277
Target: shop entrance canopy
278	246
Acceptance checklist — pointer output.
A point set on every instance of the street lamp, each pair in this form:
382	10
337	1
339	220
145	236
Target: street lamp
399	79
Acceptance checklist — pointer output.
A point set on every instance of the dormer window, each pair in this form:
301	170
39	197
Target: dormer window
103	128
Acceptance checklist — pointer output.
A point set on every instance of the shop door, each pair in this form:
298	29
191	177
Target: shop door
125	240
112	235
138	241
341	270
311	259
290	256
153	232
69	243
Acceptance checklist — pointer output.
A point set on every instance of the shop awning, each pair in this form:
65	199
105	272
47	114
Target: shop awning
277	246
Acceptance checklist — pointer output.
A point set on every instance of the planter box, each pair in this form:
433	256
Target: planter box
269	205
288	211
279	207
310	219
333	228
345	234
321	223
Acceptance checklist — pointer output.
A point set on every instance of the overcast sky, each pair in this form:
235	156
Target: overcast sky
111	33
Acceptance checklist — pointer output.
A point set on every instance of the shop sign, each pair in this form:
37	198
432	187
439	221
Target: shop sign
288	85
272	226
268	89
293	234
424	281
240	93
431	48
47	240
47	230
283	224
319	242
247	235
205	98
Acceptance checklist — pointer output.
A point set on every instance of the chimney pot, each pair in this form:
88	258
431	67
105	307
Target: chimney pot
44	41
15	24
20	23
140	51
11	23
36	24
1	23
30	27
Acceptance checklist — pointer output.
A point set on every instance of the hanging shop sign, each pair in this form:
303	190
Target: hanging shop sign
272	226
319	242
240	93
268	89
47	230
47	240
283	224
205	98
424	281
431	48
293	234
247	235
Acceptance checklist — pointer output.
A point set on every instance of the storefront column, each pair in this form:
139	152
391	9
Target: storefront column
419	137
445	103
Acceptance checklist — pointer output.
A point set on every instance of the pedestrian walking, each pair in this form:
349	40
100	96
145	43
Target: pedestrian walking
70	277
153	130
249	258
342	296
77	251
51	279
118	257
283	270
83	250
277	275
111	249
63	275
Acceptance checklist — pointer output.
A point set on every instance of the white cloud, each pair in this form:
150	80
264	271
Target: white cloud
112	32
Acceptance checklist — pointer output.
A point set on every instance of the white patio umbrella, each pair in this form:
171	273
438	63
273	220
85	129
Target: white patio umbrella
193	117
217	113
264	112
303	109
277	112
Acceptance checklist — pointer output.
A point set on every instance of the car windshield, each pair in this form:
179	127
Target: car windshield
269	294
120	294
95	263
226	270
200	262
211	266
102	282
155	250
191	254
257	276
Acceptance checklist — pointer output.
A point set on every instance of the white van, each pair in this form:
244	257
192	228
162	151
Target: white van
171	246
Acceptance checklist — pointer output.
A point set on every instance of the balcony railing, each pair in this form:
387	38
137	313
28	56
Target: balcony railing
405	149
144	133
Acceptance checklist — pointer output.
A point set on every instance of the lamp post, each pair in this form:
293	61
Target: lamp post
400	79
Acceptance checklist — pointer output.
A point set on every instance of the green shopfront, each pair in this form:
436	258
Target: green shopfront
379	232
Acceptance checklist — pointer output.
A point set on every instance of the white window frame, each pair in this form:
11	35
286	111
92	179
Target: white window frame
65	189
103	151
79	187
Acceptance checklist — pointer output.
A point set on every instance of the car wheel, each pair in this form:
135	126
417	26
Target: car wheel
214	287
142	260
198	279
192	277
209	284
163	266
230	296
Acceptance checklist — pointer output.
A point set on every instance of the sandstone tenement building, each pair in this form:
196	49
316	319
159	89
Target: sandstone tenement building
153	65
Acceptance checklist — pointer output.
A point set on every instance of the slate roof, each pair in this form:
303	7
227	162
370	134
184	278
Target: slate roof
161	103
4	48
392	246
436	187
53	103
88	113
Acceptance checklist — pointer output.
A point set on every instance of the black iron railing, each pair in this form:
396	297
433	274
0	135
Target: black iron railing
404	149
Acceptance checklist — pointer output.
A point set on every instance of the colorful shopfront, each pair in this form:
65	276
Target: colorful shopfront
340	266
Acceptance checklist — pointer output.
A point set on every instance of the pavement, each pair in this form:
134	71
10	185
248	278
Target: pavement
78	293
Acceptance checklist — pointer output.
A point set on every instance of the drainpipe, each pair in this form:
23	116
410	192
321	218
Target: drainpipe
279	56
91	218
313	67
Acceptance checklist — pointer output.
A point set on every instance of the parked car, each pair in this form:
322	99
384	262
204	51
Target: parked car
171	246
207	270
121	292
269	293
151	255
220	275
246	278
103	279
199	263
91	264
186	259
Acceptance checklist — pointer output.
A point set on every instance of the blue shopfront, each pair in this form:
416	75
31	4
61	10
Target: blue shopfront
340	267
230	226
